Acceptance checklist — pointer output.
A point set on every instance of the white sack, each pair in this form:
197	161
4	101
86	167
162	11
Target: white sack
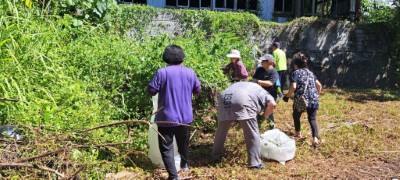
276	145
154	151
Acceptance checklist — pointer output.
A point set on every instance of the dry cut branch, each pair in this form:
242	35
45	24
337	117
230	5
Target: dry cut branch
44	154
72	176
43	168
67	149
116	123
7	99
100	145
122	122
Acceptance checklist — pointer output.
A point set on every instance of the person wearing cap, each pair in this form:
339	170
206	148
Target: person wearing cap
241	102
175	85
236	67
281	62
267	76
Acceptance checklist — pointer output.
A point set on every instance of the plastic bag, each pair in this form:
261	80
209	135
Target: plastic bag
10	131
154	151
276	145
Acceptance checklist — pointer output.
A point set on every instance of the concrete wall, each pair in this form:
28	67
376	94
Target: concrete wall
341	53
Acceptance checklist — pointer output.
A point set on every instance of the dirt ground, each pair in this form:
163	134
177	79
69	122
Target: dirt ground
359	131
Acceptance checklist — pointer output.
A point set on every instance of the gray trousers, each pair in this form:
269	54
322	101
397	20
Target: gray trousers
251	138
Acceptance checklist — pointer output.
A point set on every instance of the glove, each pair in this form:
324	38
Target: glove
285	98
254	80
270	124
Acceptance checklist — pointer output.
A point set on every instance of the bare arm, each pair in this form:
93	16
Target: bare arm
318	86
291	89
265	83
269	108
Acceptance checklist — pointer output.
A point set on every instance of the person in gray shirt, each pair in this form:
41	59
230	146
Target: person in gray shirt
242	102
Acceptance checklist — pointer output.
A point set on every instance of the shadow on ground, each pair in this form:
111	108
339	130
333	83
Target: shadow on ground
364	95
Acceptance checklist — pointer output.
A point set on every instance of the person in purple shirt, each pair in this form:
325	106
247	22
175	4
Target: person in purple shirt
236	68
175	84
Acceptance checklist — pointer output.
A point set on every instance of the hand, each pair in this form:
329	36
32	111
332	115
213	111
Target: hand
261	118
285	98
254	80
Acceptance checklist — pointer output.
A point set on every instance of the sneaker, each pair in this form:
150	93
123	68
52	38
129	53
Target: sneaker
298	135
185	168
315	143
260	166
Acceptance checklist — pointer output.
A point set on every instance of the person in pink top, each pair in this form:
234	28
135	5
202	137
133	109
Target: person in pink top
236	68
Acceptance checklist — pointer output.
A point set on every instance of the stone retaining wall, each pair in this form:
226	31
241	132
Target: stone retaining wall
342	53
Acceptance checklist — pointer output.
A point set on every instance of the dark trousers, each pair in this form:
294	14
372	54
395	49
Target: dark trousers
282	78
182	134
312	114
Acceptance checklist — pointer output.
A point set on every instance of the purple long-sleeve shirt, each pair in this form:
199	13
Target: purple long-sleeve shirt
175	85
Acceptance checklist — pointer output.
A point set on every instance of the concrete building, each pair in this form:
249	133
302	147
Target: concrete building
275	10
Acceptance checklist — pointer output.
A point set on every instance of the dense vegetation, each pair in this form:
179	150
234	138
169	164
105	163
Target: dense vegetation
77	64
70	73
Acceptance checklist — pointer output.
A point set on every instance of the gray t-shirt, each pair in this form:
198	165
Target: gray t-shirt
242	100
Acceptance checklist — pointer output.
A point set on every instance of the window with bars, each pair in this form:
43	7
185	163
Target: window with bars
183	3
247	4
313	7
284	6
170	3
133	1
200	3
217	4
225	4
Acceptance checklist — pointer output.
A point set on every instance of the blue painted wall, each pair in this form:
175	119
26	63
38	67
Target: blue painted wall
156	3
267	9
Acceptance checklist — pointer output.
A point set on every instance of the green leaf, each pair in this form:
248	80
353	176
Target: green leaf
77	22
3	42
70	3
